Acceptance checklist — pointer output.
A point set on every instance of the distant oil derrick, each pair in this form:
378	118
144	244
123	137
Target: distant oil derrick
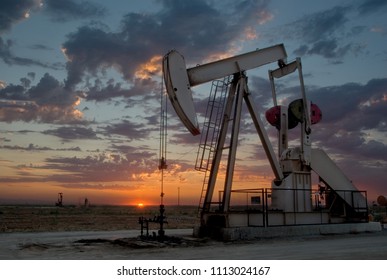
60	200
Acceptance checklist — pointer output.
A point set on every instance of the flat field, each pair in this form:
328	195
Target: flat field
24	218
112	233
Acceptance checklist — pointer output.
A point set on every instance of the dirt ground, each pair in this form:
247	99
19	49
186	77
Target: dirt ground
112	233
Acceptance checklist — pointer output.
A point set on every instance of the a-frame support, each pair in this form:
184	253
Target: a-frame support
237	93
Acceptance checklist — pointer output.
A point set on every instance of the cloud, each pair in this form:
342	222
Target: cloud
90	50
136	49
99	186
354	122
47	102
350	102
32	147
65	10
328	33
322	33
41	47
372	6
128	129
103	167
9	58
72	132
353	129
13	11
196	27
321	25
329	49
123	167
112	89
353	117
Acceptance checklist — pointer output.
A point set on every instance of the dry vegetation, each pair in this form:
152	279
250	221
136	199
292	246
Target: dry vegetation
71	218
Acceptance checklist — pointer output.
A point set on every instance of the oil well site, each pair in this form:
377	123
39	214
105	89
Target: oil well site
296	218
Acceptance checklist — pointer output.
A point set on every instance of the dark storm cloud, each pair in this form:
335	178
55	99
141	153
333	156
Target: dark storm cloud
359	106
321	25
352	130
261	91
348	143
64	10
321	33
49	91
354	116
12	11
352	113
91	49
25	82
13	92
31	75
372	6
326	33
329	49
195	27
375	149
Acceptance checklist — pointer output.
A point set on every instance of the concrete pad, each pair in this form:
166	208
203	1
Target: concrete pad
246	233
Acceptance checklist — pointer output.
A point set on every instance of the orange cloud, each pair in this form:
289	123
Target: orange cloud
149	68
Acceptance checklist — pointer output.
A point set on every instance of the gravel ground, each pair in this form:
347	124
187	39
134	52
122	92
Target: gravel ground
180	245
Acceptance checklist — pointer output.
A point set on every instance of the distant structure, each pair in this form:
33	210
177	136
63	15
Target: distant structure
60	200
382	200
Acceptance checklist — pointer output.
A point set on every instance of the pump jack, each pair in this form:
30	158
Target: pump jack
291	191
60	200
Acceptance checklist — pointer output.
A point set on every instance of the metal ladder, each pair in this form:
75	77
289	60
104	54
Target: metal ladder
210	131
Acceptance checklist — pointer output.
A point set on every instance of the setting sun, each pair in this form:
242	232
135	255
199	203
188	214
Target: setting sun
140	205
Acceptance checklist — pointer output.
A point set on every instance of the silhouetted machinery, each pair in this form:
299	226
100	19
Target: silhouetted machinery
291	200
60	200
382	200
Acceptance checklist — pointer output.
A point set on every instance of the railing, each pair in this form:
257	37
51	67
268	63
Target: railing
258	207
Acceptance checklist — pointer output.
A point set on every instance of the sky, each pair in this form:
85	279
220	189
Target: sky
80	86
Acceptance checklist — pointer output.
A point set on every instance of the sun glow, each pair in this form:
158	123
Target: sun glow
140	205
